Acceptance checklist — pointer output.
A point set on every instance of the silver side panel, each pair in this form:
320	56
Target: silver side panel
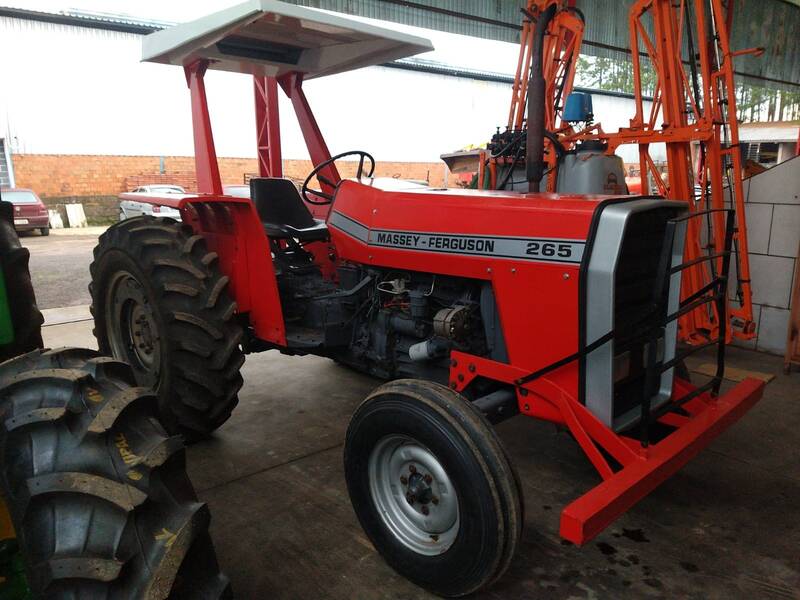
600	300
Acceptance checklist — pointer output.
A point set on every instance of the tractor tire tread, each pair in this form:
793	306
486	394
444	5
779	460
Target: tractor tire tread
25	314
505	477
136	528
502	482
203	352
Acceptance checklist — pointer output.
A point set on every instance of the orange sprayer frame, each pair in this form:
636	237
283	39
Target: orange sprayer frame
677	117
706	116
560	56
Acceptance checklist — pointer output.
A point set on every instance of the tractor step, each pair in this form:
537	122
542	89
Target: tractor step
304	338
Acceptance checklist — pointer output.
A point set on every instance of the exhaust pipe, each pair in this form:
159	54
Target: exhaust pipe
536	111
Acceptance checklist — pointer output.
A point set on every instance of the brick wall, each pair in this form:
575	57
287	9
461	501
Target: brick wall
81	176
99	210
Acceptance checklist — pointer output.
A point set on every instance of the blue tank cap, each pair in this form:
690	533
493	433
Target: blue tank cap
578	107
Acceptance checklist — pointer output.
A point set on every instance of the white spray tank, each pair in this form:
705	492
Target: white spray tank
589	170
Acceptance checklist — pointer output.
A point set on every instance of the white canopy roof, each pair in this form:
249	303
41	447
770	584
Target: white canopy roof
267	37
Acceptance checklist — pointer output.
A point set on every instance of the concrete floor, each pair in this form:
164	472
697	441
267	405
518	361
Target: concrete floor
59	265
727	526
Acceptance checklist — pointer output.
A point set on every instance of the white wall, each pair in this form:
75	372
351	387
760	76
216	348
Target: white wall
614	113
71	90
773	233
83	91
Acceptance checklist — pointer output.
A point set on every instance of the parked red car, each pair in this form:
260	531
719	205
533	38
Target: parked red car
29	211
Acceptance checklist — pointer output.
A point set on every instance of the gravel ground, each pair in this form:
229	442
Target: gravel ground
60	267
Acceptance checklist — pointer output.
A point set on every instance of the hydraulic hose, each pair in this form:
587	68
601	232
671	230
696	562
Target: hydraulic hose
536	110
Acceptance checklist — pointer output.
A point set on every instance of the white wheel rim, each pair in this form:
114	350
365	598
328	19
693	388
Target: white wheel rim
413	495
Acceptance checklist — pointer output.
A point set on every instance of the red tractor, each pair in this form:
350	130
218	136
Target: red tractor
476	306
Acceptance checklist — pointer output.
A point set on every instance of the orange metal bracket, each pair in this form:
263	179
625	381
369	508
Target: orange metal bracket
587	516
642	468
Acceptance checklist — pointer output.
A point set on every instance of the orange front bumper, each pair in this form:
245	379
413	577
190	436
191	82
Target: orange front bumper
587	516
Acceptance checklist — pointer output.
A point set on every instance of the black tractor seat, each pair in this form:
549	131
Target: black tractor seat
283	212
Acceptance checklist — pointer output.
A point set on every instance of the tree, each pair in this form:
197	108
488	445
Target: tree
754	102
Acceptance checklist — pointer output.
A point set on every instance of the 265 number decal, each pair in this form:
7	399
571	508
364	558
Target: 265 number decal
549	249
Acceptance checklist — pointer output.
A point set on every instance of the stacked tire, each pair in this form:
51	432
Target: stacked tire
97	489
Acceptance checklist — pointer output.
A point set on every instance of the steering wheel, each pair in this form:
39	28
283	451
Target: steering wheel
328	198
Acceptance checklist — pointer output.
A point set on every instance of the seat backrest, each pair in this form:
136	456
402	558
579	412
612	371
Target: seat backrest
279	203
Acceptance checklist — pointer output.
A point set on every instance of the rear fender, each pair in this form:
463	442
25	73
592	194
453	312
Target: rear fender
232	229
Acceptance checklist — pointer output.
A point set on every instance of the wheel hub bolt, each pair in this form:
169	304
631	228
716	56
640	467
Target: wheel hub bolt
435	500
410	498
403	479
425	509
412	469
428	479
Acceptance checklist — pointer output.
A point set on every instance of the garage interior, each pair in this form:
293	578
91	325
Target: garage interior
726	525
283	526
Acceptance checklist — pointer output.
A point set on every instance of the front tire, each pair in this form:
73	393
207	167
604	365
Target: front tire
432	487
97	491
161	304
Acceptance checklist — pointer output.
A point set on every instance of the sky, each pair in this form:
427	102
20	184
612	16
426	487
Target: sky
451	49
416	103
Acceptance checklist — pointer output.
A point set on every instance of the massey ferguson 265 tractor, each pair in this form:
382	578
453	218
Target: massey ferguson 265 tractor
476	306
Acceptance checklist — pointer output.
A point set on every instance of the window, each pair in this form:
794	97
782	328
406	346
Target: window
764	153
768	153
165	189
20	197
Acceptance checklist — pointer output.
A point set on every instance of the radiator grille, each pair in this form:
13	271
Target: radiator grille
633	297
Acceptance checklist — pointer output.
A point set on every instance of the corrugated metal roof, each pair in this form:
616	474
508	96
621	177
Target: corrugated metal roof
93	20
104	17
773	25
490	19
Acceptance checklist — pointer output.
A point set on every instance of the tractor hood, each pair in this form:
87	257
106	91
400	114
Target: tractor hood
271	38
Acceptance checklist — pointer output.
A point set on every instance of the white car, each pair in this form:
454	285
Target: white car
237	190
129	206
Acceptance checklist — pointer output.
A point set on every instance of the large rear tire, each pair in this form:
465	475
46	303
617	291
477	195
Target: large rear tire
160	303
97	490
432	487
26	318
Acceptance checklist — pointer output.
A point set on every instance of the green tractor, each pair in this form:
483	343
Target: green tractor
96	499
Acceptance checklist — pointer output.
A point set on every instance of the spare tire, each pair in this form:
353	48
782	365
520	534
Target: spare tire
97	490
